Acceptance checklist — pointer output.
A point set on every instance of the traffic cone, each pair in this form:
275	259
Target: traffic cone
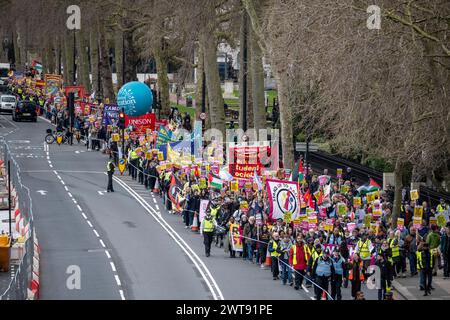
194	227
268	259
324	295
156	188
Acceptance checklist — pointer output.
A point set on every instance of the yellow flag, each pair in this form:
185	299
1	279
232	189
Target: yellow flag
172	156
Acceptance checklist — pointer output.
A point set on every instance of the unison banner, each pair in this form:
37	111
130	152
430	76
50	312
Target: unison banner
283	198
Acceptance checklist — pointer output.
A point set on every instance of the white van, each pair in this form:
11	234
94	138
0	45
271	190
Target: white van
7	103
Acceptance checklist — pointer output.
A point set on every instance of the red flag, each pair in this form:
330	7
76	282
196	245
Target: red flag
308	199
300	166
373	183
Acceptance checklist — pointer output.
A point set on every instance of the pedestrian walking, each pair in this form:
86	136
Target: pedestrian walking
425	266
445	250
207	228
110	168
340	271
274	254
323	271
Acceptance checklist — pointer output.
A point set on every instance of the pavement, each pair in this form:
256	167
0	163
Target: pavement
409	288
121	245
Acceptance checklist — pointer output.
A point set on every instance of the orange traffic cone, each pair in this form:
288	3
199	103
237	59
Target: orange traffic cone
156	188
324	295
268	259
195	223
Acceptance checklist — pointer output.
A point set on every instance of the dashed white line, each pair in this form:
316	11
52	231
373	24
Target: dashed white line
117	280
312	298
84	216
96	233
90	224
102	243
67	189
50	166
59	177
79	208
113	267
107	254
121	294
154	200
63	183
157	207
74	201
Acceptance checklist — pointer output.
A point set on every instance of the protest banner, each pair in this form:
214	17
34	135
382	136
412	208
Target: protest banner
110	114
400	223
351	226
203	207
244	160
236	239
297	223
414	194
341	209
356	201
440	219
418	212
142	123
234	186
417	222
53	83
283	197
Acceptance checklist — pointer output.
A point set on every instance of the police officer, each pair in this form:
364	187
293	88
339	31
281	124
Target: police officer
323	270
207	229
339	273
110	168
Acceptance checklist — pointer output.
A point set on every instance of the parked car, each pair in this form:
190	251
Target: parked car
25	110
7	103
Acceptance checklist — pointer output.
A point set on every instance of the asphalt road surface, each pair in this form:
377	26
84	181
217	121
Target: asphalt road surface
123	245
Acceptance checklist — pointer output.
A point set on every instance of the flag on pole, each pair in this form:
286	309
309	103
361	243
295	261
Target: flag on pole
257	180
216	182
301	172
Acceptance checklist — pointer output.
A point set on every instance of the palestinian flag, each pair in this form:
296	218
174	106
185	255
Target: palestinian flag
371	187
215	182
301	172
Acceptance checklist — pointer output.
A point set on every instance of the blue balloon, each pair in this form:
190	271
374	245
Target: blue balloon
135	98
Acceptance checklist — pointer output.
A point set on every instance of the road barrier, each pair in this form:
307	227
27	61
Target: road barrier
24	284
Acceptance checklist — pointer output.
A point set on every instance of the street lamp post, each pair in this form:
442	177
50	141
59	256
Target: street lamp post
74	57
244	73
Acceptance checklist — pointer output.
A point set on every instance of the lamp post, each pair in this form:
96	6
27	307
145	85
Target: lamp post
244	73
74	57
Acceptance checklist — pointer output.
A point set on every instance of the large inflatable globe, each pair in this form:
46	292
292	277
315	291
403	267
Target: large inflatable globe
136	98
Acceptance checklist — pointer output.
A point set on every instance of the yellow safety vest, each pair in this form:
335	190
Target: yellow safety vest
133	155
420	260
214	212
440	208
363	249
108	167
208	225
19	91
294	257
395	249
274	253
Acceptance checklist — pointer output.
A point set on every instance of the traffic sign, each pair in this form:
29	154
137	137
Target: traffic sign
203	116
301	147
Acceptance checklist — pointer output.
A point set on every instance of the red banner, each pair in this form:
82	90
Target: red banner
142	123
244	161
78	90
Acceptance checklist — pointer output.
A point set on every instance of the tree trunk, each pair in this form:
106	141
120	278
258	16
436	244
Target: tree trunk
398	178
131	58
68	61
163	79
96	84
118	44
51	59
17	49
105	68
257	76
83	60
215	97
199	84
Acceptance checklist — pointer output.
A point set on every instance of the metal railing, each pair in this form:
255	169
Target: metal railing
20	282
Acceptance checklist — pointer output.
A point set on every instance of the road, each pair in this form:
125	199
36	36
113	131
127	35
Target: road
125	244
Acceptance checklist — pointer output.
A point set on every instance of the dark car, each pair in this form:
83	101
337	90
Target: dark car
25	110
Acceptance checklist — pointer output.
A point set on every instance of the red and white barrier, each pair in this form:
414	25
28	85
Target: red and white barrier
33	291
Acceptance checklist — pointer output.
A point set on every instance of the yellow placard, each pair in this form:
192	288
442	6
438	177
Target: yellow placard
160	156
303	217
59	139
367	220
400	223
440	218
309	210
345	189
417	221
370	197
148	156
115	137
418	212
328	226
377	213
356	201
288	217
126	137
234	186
342	209
414	194
374	227
433	220
202	183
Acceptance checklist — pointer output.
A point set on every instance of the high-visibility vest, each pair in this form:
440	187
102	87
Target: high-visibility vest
133	155
214	212
380	251
395	248
420	260
108	168
208	225
294	256
314	254
19	91
441	208
361	274
363	249
274	253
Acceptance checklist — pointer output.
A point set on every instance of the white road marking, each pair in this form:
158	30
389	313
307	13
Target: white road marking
121	294
90	224
79	208
312	298
63	183
96	233
113	267
199	264
102	243
117	280
107	254
67	189
157	207
59	177
154	200
50	166
84	216
70	195
42	192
